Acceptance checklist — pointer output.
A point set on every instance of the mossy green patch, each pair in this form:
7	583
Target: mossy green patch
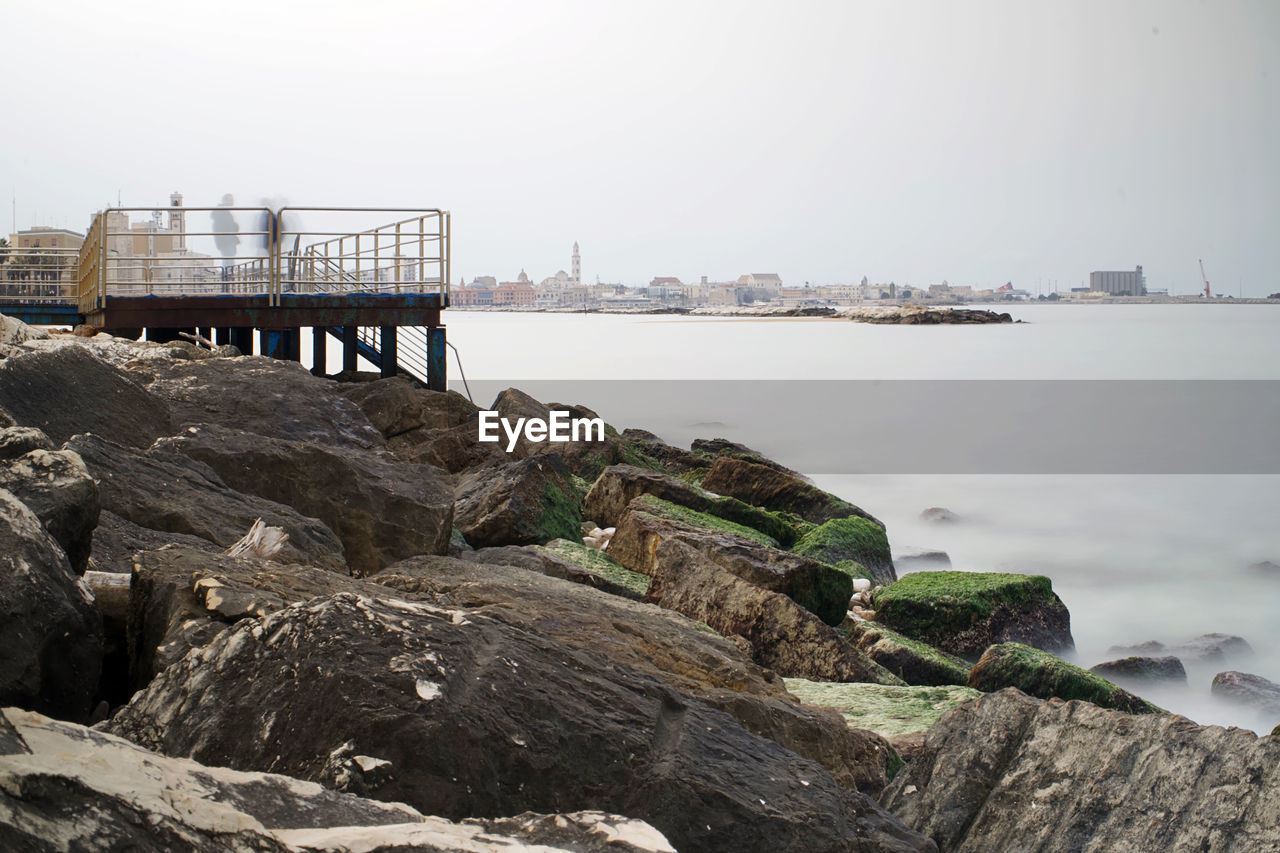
1038	673
893	764
768	523
599	563
939	604
881	708
701	520
911	660
561	515
694	477
853	538
852	568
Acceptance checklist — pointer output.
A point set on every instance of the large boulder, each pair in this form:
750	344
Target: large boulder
181	598
965	612
267	396
686	656
1009	772
618	485
1041	674
749	554
55	485
398	406
16	441
383	510
164	491
911	660
520	502
67	391
1250	691
855	539
67	787
783	635
479	718
50	627
762	485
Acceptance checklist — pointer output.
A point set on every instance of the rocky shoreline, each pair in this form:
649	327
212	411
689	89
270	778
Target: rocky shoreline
250	608
902	315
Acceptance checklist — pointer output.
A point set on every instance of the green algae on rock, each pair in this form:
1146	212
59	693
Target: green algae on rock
965	612
911	660
852	538
599	563
885	709
1045	676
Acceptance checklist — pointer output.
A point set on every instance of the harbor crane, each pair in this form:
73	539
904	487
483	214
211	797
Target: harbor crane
1205	279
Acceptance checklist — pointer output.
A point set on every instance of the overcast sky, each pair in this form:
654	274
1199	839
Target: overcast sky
825	141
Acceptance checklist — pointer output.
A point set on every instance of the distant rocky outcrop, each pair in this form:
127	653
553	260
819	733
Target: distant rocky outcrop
1142	669
1250	691
1009	772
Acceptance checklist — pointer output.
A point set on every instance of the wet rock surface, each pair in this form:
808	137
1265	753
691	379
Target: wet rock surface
765	486
50	627
1009	772
479	718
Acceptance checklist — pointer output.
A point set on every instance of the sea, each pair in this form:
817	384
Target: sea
1159	551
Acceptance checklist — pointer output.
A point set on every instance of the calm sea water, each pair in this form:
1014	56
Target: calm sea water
1135	558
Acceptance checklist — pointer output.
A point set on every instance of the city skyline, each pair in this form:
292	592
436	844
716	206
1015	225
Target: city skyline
976	143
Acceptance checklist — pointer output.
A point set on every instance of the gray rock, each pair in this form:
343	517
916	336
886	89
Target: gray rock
1008	772
783	635
398	406
939	515
478	717
50	627
164	491
266	396
1142	669
72	788
35	389
1205	649
382	510
55	485
1250	691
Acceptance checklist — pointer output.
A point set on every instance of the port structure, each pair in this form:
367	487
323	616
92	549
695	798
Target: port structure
374	278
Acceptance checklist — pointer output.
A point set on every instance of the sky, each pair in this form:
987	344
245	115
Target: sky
914	142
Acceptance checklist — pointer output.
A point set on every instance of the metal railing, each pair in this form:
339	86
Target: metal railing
38	275
258	251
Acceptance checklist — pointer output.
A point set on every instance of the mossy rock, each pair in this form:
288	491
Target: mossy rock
701	520
768	523
853	569
882	708
853	538
561	516
914	662
600	564
1038	673
965	612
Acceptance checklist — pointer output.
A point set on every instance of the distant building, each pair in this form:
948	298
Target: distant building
44	237
1119	283
768	282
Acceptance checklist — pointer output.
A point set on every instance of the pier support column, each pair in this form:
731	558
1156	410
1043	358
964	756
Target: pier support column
279	343
387	343
350	334
319	350
437	371
242	339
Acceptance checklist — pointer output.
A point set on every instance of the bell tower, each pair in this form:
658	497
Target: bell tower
576	269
